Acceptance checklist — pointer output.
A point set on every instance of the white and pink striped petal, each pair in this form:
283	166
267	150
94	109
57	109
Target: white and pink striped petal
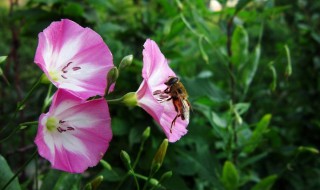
74	58
74	134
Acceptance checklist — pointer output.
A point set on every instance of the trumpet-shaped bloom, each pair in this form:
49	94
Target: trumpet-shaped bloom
74	58
155	73
75	133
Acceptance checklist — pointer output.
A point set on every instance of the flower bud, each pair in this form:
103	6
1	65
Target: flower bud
112	76
126	61
130	99
154	182
159	156
125	159
145	134
166	175
96	182
105	164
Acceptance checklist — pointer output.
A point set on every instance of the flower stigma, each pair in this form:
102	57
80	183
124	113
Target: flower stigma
54	75
51	123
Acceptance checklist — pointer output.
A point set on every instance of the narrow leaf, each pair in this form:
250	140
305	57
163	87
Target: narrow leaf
3	58
239	46
230	176
203	52
256	137
266	183
241	4
273	84
288	70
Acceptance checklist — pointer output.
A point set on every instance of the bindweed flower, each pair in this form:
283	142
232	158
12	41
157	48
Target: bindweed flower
75	133
74	58
155	73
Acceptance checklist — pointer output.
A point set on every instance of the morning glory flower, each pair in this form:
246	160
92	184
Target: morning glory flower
155	73
74	58
75	133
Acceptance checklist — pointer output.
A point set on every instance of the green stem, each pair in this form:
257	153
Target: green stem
141	177
148	180
115	101
48	99
135	179
19	106
139	155
29	123
122	181
36	173
35	85
134	165
20	170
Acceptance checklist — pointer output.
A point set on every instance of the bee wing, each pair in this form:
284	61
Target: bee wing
185	108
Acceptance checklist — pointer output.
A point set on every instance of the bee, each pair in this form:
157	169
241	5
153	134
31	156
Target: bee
176	92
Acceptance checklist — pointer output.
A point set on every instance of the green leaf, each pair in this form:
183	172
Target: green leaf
241	4
58	180
230	176
239	47
256	137
273	84
308	149
266	183
74	10
202	50
3	58
112	175
288	70
250	69
6	174
242	107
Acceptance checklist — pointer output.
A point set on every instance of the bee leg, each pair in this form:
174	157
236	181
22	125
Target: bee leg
178	114
167	90
157	92
174	122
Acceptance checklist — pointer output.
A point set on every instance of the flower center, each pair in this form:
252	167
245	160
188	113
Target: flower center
51	123
54	75
61	126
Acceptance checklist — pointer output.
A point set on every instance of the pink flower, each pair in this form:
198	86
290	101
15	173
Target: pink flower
75	133
74	58
155	73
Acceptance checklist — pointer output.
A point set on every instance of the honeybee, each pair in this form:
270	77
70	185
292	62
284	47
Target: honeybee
176	92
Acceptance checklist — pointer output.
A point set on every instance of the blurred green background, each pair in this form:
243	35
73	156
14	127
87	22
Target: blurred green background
251	68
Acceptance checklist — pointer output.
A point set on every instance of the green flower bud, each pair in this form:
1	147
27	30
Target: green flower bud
154	182
166	175
95	183
126	61
125	159
159	156
145	134
106	165
113	75
130	99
